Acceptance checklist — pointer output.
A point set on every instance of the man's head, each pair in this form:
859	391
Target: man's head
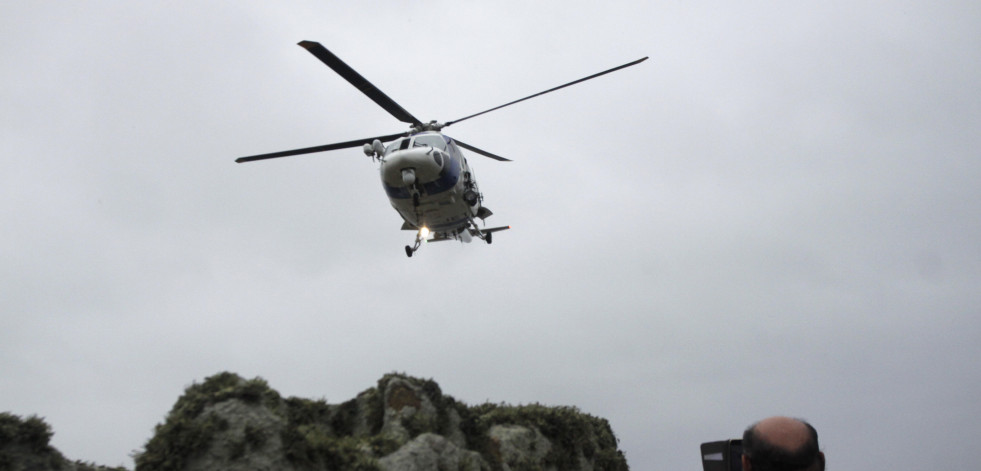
781	444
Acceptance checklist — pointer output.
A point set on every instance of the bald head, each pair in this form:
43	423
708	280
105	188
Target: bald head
781	444
783	432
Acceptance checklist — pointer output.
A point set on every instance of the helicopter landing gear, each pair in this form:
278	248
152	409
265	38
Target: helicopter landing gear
474	230
410	249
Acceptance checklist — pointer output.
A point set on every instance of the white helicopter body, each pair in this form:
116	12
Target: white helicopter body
430	184
423	171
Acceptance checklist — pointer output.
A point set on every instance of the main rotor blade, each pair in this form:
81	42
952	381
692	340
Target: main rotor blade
324	148
638	61
480	151
359	82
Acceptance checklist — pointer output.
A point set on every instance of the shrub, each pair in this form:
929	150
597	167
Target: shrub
178	440
184	435
33	432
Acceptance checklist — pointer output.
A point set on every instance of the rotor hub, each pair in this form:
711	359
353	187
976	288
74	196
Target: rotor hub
430	126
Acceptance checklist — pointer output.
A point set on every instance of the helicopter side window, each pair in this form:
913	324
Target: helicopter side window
394	146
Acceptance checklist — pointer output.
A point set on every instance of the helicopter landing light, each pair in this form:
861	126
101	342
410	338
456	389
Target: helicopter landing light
424	233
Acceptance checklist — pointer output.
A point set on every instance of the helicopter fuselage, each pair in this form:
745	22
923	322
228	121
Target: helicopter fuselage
430	184
426	177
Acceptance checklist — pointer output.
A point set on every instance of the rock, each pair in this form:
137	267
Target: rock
519	447
409	411
251	441
401	424
432	452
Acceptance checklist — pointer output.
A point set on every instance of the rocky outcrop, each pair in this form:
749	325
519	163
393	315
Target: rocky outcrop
429	451
401	424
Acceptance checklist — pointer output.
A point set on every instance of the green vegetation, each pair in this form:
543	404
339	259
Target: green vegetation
316	435
374	403
25	441
255	437
86	466
345	418
178	440
222	387
312	446
32	433
24	444
568	429
185	434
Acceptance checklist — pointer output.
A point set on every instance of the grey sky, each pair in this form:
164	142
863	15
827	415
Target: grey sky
779	213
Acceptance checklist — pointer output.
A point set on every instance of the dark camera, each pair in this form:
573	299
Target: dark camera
725	455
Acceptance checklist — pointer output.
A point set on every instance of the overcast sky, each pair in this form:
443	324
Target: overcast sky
778	213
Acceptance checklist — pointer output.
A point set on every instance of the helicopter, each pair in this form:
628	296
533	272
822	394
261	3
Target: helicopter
423	171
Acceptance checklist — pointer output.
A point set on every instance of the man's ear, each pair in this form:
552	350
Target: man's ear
746	465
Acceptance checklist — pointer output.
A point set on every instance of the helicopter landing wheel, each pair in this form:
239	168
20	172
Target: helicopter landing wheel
488	237
408	251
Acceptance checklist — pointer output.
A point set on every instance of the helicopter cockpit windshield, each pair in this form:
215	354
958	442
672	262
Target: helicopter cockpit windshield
436	141
430	140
